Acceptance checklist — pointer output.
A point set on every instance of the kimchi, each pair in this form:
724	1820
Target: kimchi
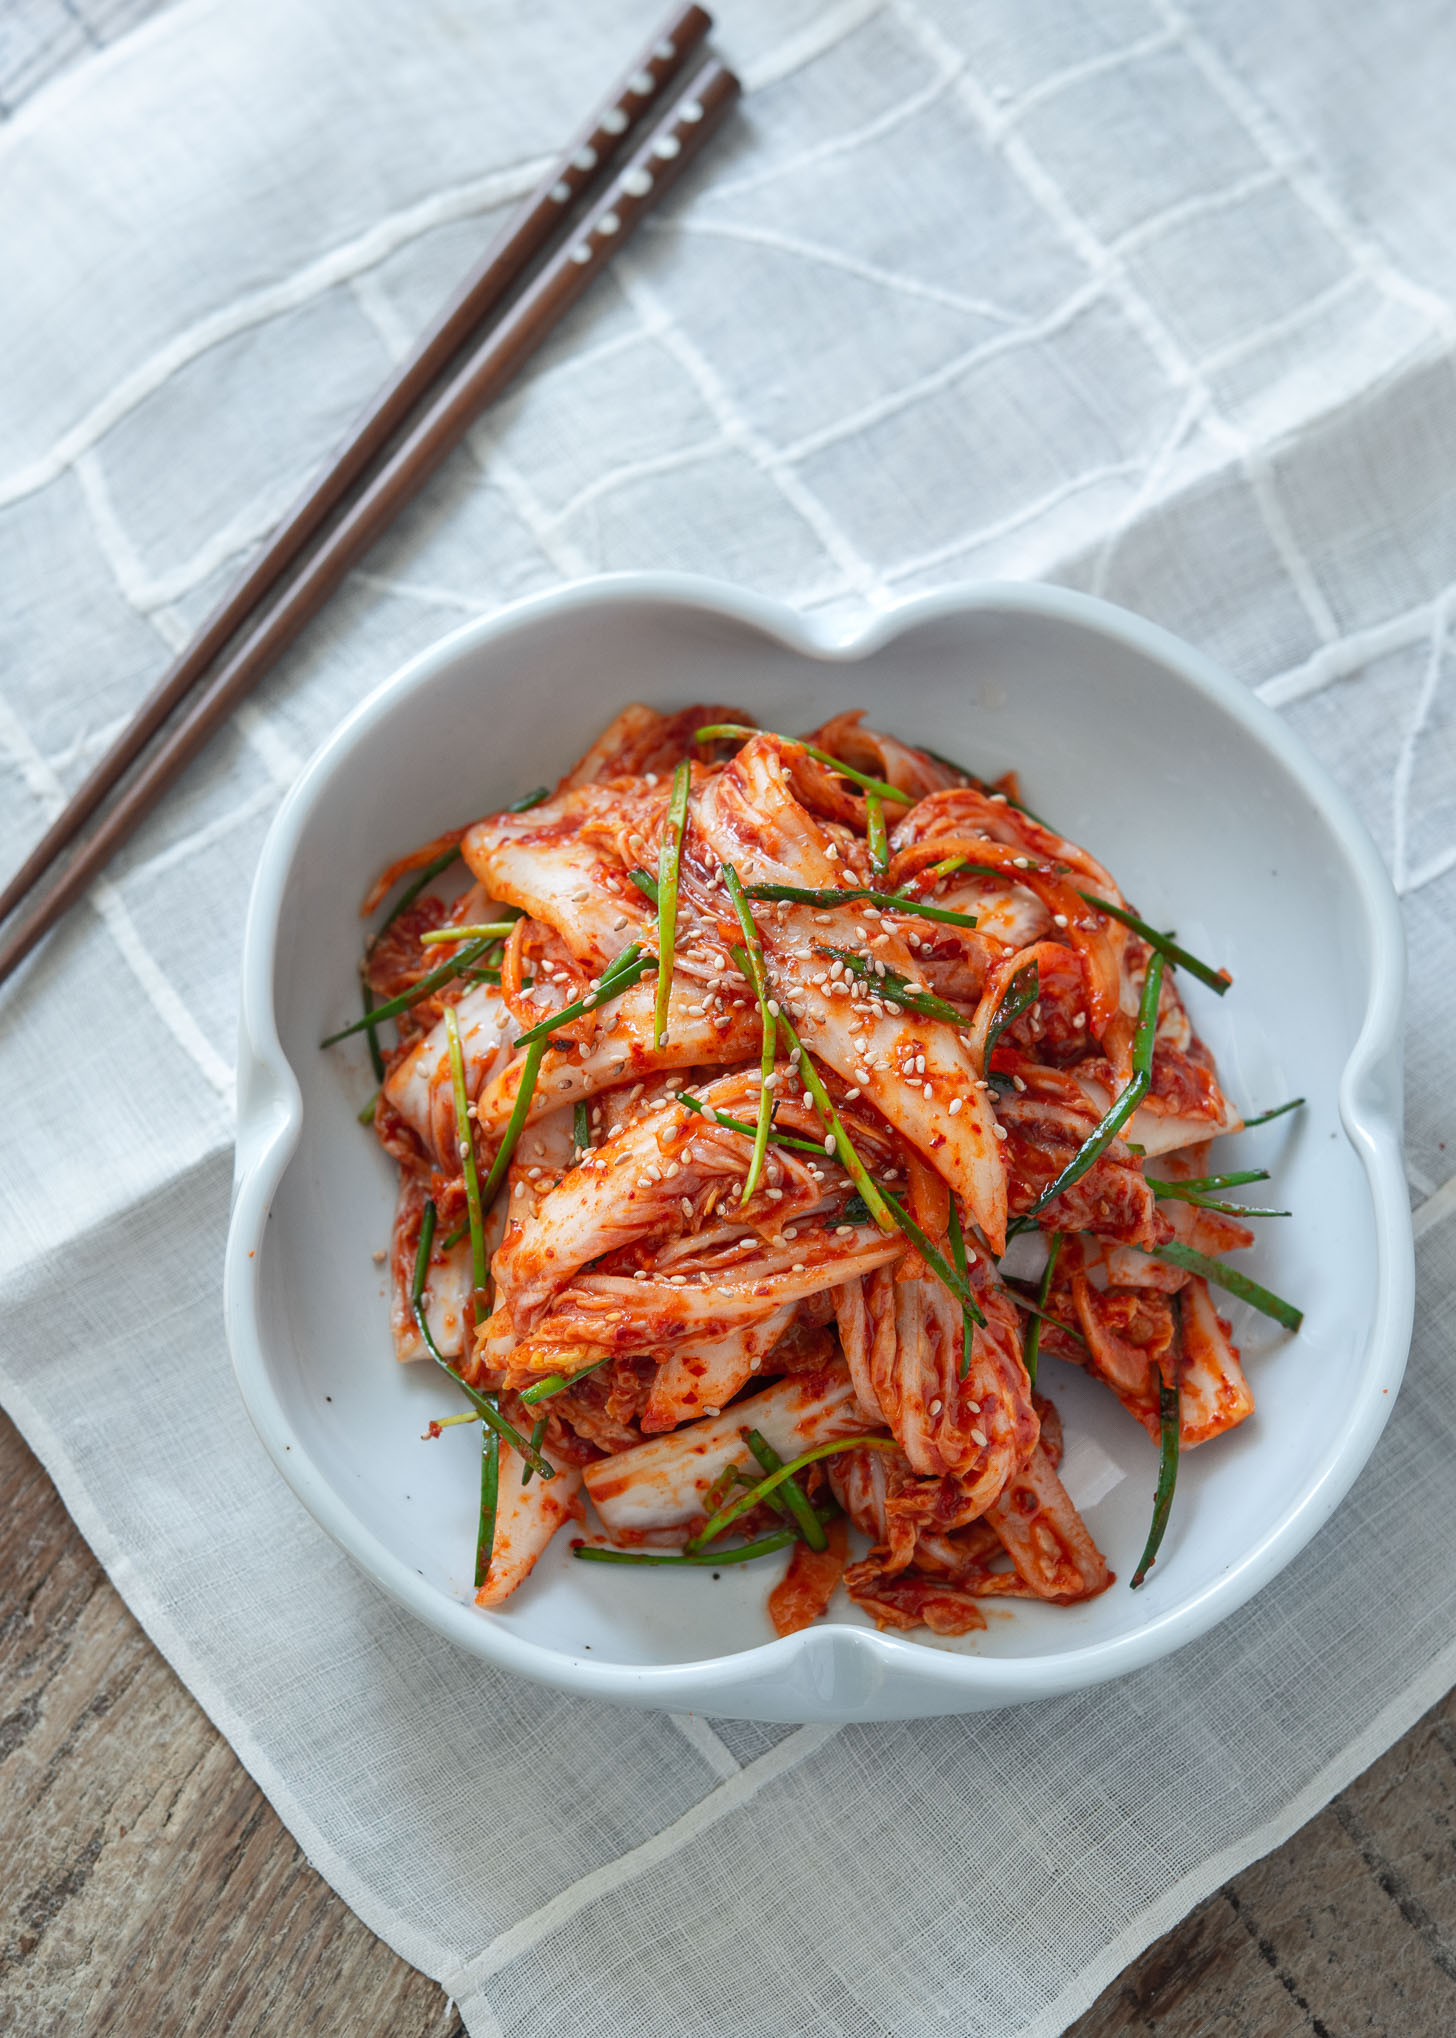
719	1081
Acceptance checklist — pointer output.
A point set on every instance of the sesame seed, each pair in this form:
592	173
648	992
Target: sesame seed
1060	919
927	1093
677	1280
1080	1021
830	1143
798	1267
715	1411
1022	862
650	777
935	1407
850	1095
978	1437
685	1205
920	1064
774	1008
1001	1132
640	1275
955	1105
775	1195
832	852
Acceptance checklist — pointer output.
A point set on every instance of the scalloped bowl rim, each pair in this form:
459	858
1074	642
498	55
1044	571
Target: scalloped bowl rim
270	1119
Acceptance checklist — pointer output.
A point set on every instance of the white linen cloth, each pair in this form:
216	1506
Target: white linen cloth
1153	297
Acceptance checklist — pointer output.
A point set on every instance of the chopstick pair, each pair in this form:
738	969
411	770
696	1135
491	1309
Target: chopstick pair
398	444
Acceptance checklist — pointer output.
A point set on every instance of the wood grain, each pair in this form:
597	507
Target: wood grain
148	1887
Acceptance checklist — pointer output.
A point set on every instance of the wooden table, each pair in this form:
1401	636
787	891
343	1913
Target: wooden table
148	1888
149	1891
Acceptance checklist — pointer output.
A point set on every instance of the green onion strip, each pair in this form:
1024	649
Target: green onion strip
515	1124
749	959
491	930
1117	1113
620	974
489	1501
949	1277
797	1500
557	1383
424	988
669	865
484	1407
742	1125
740	1553
465	1145
1031	1348
1171	1434
961	1265
1020	995
726	1516
1164	943
881	786
412	890
876	834
1278	1112
1224	1276
830	896
838	1144
895	988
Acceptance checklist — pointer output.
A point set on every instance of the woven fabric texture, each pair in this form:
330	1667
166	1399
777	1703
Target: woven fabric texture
1154	298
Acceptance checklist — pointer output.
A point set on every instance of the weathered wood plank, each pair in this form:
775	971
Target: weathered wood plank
148	1886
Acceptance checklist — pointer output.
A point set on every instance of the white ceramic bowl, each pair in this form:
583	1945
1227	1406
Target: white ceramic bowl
1215	821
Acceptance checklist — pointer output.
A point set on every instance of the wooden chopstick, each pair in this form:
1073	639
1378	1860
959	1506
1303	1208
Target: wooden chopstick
653	169
582	165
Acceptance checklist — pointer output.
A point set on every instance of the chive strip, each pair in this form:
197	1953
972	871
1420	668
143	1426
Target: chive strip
946	1274
1019	996
537	1434
1224	1276
669	865
1164	943
1172	1425
740	1553
646	884
515	1124
455	1237
489	1501
484	1407
1201	1185
876	835
897	988
425	988
895	902
1034	1309
1278	1112
412	890
557	1383
1031	1348
376	1059
726	1516
366	1116
1233	1209
799	1504
465	1146
581	1137
620	974
528	800
839	1143
881	786
492	930
1118	1112
749	959
959	1262
750	1131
